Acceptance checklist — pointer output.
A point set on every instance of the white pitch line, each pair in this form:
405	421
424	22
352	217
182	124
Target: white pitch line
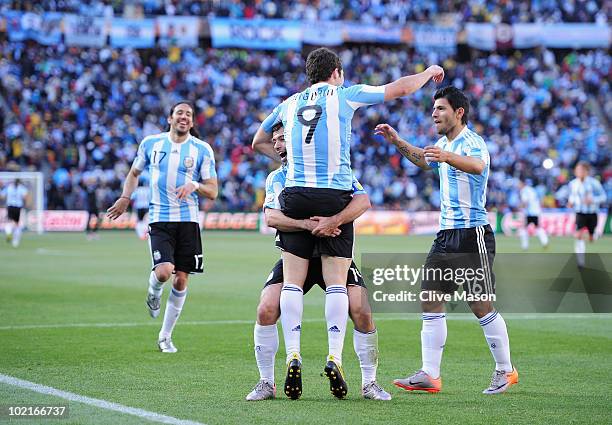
412	316
103	404
58	253
121	325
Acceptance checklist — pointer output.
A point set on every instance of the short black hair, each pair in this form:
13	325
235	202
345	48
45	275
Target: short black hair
456	98
320	64
277	126
193	131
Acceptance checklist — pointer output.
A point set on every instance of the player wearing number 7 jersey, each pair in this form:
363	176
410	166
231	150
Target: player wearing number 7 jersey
317	129
181	167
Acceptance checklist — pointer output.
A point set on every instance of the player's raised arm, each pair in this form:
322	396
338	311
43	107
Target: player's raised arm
131	183
412	153
263	137
262	143
409	84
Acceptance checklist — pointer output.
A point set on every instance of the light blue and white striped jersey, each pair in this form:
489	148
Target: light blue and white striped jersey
581	190
15	195
172	165
317	125
462	195
531	201
275	183
141	197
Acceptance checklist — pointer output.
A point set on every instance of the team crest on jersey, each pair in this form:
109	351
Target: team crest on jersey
188	162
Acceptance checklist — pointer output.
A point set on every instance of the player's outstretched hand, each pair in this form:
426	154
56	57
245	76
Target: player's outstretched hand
435	154
436	72
119	207
326	227
388	132
184	191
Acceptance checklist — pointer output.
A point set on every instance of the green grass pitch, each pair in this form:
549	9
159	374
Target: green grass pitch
102	343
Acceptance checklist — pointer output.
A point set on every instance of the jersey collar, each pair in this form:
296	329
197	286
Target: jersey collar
319	84
459	136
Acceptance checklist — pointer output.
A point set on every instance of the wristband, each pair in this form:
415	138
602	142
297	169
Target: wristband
124	197
195	184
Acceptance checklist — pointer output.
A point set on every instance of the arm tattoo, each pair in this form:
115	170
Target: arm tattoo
413	157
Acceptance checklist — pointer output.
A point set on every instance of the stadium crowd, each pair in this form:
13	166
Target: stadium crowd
78	114
386	12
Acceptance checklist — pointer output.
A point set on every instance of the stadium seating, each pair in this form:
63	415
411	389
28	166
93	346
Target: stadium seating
78	113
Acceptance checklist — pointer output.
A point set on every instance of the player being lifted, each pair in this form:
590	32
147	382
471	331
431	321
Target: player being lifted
530	201
465	239
317	126
585	197
365	336
181	168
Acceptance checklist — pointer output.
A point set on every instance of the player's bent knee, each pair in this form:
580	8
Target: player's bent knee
163	272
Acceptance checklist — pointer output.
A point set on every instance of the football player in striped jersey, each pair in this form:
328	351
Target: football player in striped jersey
465	240
317	126
181	168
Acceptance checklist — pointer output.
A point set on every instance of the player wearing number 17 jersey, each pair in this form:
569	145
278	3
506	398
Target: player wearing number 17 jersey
317	130
181	167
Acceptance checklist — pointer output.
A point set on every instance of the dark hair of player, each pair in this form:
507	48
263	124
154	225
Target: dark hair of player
456	98
320	64
584	164
193	131
276	126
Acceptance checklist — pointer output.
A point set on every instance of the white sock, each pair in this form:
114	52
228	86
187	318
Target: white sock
8	229
336	314
366	348
524	238
496	334
266	346
542	236
579	249
174	305
16	236
292	308
155	286
433	338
